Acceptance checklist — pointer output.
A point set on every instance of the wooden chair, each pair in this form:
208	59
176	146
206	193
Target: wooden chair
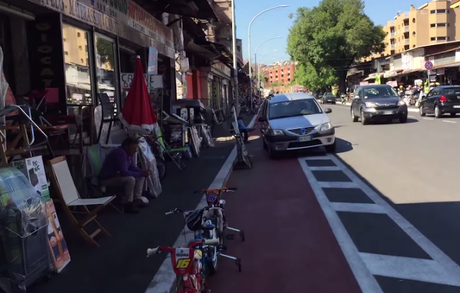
69	197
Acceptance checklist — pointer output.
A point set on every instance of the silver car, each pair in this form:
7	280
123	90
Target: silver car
293	122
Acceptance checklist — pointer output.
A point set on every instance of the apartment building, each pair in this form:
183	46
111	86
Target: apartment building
432	23
280	72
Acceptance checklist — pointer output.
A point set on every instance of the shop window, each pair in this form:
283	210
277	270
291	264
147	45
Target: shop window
77	71
105	67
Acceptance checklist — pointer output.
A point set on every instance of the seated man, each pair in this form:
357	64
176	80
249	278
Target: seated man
119	169
244	130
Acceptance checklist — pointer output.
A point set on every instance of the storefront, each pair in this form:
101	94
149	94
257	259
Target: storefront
80	48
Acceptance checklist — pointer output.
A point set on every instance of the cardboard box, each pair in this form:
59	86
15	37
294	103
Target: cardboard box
58	247
34	170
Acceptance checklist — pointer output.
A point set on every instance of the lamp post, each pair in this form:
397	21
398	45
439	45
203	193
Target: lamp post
258	67
235	62
249	42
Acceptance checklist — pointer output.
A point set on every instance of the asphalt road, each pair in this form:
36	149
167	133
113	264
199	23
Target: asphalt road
389	198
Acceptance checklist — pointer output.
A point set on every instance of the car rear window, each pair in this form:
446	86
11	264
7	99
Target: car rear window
452	91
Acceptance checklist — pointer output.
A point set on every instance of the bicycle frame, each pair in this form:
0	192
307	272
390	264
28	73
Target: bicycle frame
187	267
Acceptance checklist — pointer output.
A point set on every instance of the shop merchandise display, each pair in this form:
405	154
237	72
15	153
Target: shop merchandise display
23	231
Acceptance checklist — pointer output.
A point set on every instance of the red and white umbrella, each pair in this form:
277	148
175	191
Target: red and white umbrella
137	114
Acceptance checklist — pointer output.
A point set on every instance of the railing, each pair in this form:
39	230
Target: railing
406	29
393	46
406	42
392	35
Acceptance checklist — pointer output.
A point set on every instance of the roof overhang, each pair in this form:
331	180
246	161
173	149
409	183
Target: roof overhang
200	9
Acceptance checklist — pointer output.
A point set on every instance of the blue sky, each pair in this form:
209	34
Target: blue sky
277	23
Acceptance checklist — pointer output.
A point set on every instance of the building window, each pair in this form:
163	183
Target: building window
413	20
433	39
413	34
441	11
441	38
66	53
433	25
105	63
432	11
78	34
441	25
80	48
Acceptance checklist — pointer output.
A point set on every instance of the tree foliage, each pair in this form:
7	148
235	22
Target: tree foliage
327	39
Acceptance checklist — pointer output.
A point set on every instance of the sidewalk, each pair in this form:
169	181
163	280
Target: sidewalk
289	244
120	264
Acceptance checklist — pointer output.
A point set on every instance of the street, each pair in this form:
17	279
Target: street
387	205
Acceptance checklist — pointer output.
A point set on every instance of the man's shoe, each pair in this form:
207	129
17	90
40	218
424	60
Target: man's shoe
141	202
130	208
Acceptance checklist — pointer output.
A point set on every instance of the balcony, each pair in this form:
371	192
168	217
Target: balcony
406	42
393	46
406	29
392	35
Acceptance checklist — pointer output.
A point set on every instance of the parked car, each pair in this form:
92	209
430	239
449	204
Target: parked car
295	121
328	98
441	100
377	102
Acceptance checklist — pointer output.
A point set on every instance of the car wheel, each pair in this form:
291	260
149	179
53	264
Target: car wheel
332	147
453	114
353	117
403	118
364	120
437	112
420	110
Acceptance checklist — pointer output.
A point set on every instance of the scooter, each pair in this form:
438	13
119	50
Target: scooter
186	262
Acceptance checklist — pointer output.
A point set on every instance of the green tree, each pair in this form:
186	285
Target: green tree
328	38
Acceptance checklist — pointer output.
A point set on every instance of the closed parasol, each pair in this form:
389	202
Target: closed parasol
137	114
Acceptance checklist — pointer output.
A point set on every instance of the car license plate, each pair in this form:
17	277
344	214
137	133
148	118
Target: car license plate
305	138
456	106
388	112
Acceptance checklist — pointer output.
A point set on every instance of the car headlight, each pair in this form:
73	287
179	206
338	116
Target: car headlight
401	103
370	105
275	132
325	126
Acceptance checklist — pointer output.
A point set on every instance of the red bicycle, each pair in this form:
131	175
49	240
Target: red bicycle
187	266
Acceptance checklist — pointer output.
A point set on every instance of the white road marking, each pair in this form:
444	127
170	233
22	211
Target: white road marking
325	168
366	281
432	250
337	184
164	279
424	270
424	118
448	121
369	208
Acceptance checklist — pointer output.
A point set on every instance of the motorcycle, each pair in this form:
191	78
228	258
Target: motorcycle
343	98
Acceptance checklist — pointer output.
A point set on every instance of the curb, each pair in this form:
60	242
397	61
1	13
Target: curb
163	281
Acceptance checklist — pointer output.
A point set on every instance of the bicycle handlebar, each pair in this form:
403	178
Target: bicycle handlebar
157	250
223	189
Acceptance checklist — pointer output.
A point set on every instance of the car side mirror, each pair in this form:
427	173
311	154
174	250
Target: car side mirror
328	110
262	119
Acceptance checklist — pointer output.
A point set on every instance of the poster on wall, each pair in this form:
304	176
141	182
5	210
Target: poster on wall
152	67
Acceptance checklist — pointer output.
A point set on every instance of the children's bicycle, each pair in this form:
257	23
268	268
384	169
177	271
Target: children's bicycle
186	265
202	223
214	200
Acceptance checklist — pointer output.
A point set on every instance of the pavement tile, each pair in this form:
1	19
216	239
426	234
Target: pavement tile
349	195
379	234
331	176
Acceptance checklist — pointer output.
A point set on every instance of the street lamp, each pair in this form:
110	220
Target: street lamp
258	67
249	42
255	54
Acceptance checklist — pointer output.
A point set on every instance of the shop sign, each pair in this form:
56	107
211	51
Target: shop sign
152	81
111	15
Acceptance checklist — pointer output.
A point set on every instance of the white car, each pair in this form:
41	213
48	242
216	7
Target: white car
295	121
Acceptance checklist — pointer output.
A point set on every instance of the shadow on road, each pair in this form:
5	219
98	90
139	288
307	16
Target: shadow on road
383	122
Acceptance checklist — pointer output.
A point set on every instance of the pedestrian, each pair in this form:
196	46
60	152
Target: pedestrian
119	170
244	130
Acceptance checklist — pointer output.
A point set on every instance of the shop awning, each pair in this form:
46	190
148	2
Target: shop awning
226	56
206	53
201	9
449	65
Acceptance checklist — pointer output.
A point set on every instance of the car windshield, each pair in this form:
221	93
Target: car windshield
294	108
379	92
328	95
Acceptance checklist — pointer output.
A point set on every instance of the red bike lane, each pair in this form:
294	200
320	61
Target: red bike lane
289	245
